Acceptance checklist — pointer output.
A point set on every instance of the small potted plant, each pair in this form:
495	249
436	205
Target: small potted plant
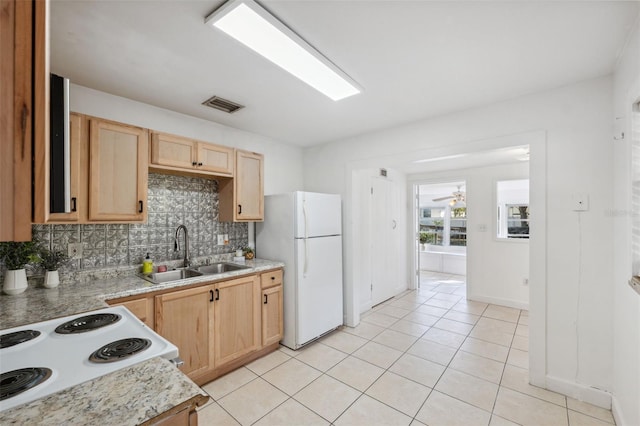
423	240
15	255
52	260
248	253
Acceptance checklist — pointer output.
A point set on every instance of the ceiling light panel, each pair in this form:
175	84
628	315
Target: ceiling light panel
253	26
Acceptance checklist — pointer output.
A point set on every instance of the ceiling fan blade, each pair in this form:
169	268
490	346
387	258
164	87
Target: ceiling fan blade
444	198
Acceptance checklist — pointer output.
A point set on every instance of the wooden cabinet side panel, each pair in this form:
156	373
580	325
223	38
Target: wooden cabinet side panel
141	308
77	172
185	318
16	44
237	318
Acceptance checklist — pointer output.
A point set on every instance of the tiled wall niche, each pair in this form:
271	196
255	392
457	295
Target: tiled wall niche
172	201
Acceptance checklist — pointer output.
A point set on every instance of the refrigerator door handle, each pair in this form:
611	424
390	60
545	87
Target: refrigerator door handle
306	256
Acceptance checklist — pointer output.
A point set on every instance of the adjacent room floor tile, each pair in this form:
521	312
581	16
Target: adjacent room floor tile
442	410
368	411
518	358
418	369
395	340
328	397
502	313
213	414
395	312
517	379
378	354
365	330
485	349
291	412
453	326
291	376
263	398
432	351
527	410
356	373
399	392
320	356
379	319
590	410
462	317
410	328
472	390
229	382
579	419
444	337
478	366
344	342
268	362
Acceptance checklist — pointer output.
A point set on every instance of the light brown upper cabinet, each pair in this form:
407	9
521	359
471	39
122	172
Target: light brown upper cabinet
23	104
187	156
118	167
242	198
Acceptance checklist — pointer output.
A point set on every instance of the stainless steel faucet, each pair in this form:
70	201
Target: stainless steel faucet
176	244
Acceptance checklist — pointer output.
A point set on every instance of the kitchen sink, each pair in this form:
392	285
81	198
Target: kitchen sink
219	268
173	275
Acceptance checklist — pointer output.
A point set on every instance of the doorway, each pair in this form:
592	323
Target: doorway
441	234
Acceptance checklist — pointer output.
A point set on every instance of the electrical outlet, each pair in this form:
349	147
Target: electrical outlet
525	281
580	202
220	240
74	250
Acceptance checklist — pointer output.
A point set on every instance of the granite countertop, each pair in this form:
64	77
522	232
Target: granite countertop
128	396
134	395
40	304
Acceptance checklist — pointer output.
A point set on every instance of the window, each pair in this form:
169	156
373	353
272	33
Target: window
443	226
458	227
513	212
517	220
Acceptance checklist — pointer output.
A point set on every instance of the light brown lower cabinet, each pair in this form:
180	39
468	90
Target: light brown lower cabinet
217	326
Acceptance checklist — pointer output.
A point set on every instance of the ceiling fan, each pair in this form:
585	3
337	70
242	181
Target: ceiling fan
458	198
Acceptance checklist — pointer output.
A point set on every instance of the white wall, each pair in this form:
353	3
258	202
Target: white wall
572	260
487	254
282	162
626	320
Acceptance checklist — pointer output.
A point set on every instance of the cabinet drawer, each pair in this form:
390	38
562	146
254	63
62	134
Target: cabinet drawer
271	278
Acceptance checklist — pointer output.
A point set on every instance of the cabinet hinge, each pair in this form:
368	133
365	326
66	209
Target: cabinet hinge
371	190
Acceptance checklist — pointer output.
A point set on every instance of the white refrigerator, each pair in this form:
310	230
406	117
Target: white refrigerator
303	230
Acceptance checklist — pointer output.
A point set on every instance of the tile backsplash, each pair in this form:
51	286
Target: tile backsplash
172	201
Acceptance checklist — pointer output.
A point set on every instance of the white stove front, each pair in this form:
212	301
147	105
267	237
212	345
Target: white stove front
67	355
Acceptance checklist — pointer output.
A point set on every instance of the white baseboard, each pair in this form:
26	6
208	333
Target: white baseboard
598	397
498	301
617	413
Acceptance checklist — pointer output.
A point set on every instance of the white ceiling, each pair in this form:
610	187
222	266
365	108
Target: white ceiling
414	59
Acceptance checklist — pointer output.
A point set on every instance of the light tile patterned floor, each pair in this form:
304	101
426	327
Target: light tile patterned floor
425	357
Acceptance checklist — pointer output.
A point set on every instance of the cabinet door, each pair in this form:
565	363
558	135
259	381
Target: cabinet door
249	186
172	151
237	318
16	68
215	158
118	161
142	308
185	318
272	315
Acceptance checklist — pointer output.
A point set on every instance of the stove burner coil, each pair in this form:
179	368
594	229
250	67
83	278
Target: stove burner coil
17	337
120	349
87	323
15	382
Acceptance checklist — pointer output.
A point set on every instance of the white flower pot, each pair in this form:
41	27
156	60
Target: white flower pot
51	279
15	282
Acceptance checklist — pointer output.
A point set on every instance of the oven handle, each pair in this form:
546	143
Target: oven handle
177	361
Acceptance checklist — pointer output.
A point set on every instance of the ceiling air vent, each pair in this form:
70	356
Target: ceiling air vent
222	104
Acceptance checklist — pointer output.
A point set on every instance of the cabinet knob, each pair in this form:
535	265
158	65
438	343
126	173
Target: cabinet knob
199	164
273	278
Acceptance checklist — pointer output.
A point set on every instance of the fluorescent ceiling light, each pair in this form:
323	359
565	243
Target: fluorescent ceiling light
447	157
260	31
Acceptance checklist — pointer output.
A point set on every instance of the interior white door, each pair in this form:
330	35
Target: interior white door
382	239
319	291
